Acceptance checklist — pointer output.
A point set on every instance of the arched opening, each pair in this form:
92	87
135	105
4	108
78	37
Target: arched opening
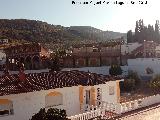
21	60
44	62
53	99
28	63
93	62
16	63
80	62
6	107
36	62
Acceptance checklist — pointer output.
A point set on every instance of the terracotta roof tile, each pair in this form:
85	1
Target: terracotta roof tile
11	84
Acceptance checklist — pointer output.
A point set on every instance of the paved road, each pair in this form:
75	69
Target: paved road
152	113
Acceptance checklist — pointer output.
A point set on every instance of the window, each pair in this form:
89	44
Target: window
6	107
111	90
53	99
149	70
4	112
87	96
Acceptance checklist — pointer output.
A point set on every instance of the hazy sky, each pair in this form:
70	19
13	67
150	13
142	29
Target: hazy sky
119	18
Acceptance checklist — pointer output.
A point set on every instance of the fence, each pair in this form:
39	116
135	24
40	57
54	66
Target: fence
88	115
132	105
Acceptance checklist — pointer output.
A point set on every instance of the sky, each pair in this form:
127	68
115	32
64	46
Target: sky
111	17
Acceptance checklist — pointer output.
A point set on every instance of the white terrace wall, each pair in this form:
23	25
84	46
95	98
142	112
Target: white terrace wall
26	105
27	71
140	65
118	108
150	100
99	70
104	70
132	105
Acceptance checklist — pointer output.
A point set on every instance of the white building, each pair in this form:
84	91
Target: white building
2	41
140	65
129	47
157	51
2	57
73	91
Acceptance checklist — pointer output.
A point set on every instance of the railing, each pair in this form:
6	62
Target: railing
89	115
102	108
132	105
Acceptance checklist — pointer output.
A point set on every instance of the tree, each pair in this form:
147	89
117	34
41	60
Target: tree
55	66
115	70
41	115
154	84
131	82
51	114
134	75
129	37
127	85
157	35
150	33
142	32
139	31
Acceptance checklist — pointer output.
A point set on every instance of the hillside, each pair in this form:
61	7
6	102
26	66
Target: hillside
38	31
95	34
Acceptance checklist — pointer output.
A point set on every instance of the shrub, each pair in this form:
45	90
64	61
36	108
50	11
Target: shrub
127	85
154	84
51	114
134	75
115	70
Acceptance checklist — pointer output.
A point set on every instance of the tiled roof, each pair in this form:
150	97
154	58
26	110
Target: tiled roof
11	84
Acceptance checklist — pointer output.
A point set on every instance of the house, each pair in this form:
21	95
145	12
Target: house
145	67
145	50
32	55
129	47
2	58
75	91
94	55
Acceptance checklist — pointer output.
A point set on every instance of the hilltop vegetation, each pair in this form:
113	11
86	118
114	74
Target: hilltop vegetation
95	34
38	31
144	32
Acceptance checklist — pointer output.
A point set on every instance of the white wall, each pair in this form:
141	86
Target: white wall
104	70
27	71
2	57
26	104
132	105
105	92
140	65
